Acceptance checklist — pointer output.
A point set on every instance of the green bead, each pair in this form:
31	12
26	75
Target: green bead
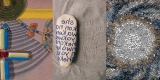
47	24
51	28
45	44
51	42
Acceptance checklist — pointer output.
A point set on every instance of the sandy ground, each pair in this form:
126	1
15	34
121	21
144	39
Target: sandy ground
90	60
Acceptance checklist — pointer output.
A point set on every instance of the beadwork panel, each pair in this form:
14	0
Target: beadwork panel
29	25
133	40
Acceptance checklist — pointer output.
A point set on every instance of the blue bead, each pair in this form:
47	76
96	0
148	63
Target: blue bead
48	34
22	24
5	25
6	69
36	31
18	58
5	39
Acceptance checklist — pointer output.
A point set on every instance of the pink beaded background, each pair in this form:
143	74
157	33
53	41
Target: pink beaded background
44	70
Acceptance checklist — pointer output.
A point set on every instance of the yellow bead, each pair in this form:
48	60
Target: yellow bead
6	2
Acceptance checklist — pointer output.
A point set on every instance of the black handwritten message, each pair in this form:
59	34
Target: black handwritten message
66	40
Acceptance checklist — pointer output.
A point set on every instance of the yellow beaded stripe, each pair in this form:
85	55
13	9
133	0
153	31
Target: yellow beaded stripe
14	54
1	39
2	69
37	14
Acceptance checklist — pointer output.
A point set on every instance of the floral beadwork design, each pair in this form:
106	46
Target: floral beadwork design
133	40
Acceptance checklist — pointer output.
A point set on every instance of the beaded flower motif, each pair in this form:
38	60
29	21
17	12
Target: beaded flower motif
133	40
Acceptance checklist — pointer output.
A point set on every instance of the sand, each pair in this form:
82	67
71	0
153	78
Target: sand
90	59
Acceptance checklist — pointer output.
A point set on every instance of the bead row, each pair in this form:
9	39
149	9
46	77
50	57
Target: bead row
36	31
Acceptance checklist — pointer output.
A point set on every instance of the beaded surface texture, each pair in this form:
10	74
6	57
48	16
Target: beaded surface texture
133	40
46	34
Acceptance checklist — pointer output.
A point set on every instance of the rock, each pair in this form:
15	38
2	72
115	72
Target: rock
66	32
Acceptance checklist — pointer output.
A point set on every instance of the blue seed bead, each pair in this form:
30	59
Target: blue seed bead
36	31
48	34
24	25
5	25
